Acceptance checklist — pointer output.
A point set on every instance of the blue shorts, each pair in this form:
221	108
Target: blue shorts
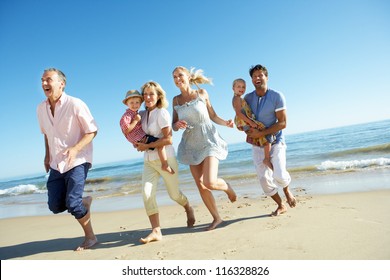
65	191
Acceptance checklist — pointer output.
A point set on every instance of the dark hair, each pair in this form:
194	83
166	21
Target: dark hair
258	67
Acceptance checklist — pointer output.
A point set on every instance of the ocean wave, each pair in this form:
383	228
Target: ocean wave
309	168
98	180
240	176
384	148
21	189
119	167
353	164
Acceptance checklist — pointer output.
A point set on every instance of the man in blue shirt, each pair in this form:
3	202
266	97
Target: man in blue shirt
269	107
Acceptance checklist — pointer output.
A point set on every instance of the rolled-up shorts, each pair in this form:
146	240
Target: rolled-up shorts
271	180
65	191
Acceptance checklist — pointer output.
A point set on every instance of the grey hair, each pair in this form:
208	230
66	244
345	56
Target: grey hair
60	74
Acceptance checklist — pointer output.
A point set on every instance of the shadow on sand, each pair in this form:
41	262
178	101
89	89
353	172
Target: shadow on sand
106	240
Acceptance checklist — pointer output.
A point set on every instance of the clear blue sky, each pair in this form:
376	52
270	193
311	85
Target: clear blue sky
330	58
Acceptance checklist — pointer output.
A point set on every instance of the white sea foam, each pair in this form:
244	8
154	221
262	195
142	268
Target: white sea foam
21	189
353	164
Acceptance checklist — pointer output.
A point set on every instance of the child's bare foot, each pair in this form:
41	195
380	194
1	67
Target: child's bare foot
167	168
155	235
268	163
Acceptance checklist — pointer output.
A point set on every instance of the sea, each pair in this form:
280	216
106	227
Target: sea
352	158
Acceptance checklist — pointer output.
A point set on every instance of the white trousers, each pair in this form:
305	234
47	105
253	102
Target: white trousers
150	177
271	180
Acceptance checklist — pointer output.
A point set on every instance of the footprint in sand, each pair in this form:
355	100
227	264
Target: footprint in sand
244	205
230	252
162	255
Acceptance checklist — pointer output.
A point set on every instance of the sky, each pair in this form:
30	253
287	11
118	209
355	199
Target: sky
331	60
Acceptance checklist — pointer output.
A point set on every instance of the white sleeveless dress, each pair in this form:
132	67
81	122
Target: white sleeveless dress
201	139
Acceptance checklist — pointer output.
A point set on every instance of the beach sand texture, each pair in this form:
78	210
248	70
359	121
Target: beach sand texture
346	226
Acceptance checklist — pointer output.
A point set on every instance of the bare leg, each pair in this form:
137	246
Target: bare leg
209	201
281	207
290	197
207	196
164	160
211	180
85	222
156	234
267	157
190	215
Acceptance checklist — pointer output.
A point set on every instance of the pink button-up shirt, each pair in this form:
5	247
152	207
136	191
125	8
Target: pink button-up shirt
71	121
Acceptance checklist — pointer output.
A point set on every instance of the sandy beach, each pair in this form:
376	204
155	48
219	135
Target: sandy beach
346	226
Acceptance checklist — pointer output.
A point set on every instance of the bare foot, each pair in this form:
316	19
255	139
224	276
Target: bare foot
279	211
268	163
214	224
153	236
91	239
231	194
87	244
167	168
190	217
290	198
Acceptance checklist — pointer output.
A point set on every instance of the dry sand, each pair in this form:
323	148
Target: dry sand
348	226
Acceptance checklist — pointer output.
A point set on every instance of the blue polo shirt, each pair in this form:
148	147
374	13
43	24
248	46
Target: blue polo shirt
265	108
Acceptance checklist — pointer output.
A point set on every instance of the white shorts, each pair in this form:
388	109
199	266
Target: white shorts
271	180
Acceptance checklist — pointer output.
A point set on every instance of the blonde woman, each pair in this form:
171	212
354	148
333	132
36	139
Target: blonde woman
201	146
156	122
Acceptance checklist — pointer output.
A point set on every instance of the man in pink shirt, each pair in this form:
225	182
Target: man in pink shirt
68	129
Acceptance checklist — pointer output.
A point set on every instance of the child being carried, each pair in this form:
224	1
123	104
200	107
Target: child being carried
244	120
131	126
